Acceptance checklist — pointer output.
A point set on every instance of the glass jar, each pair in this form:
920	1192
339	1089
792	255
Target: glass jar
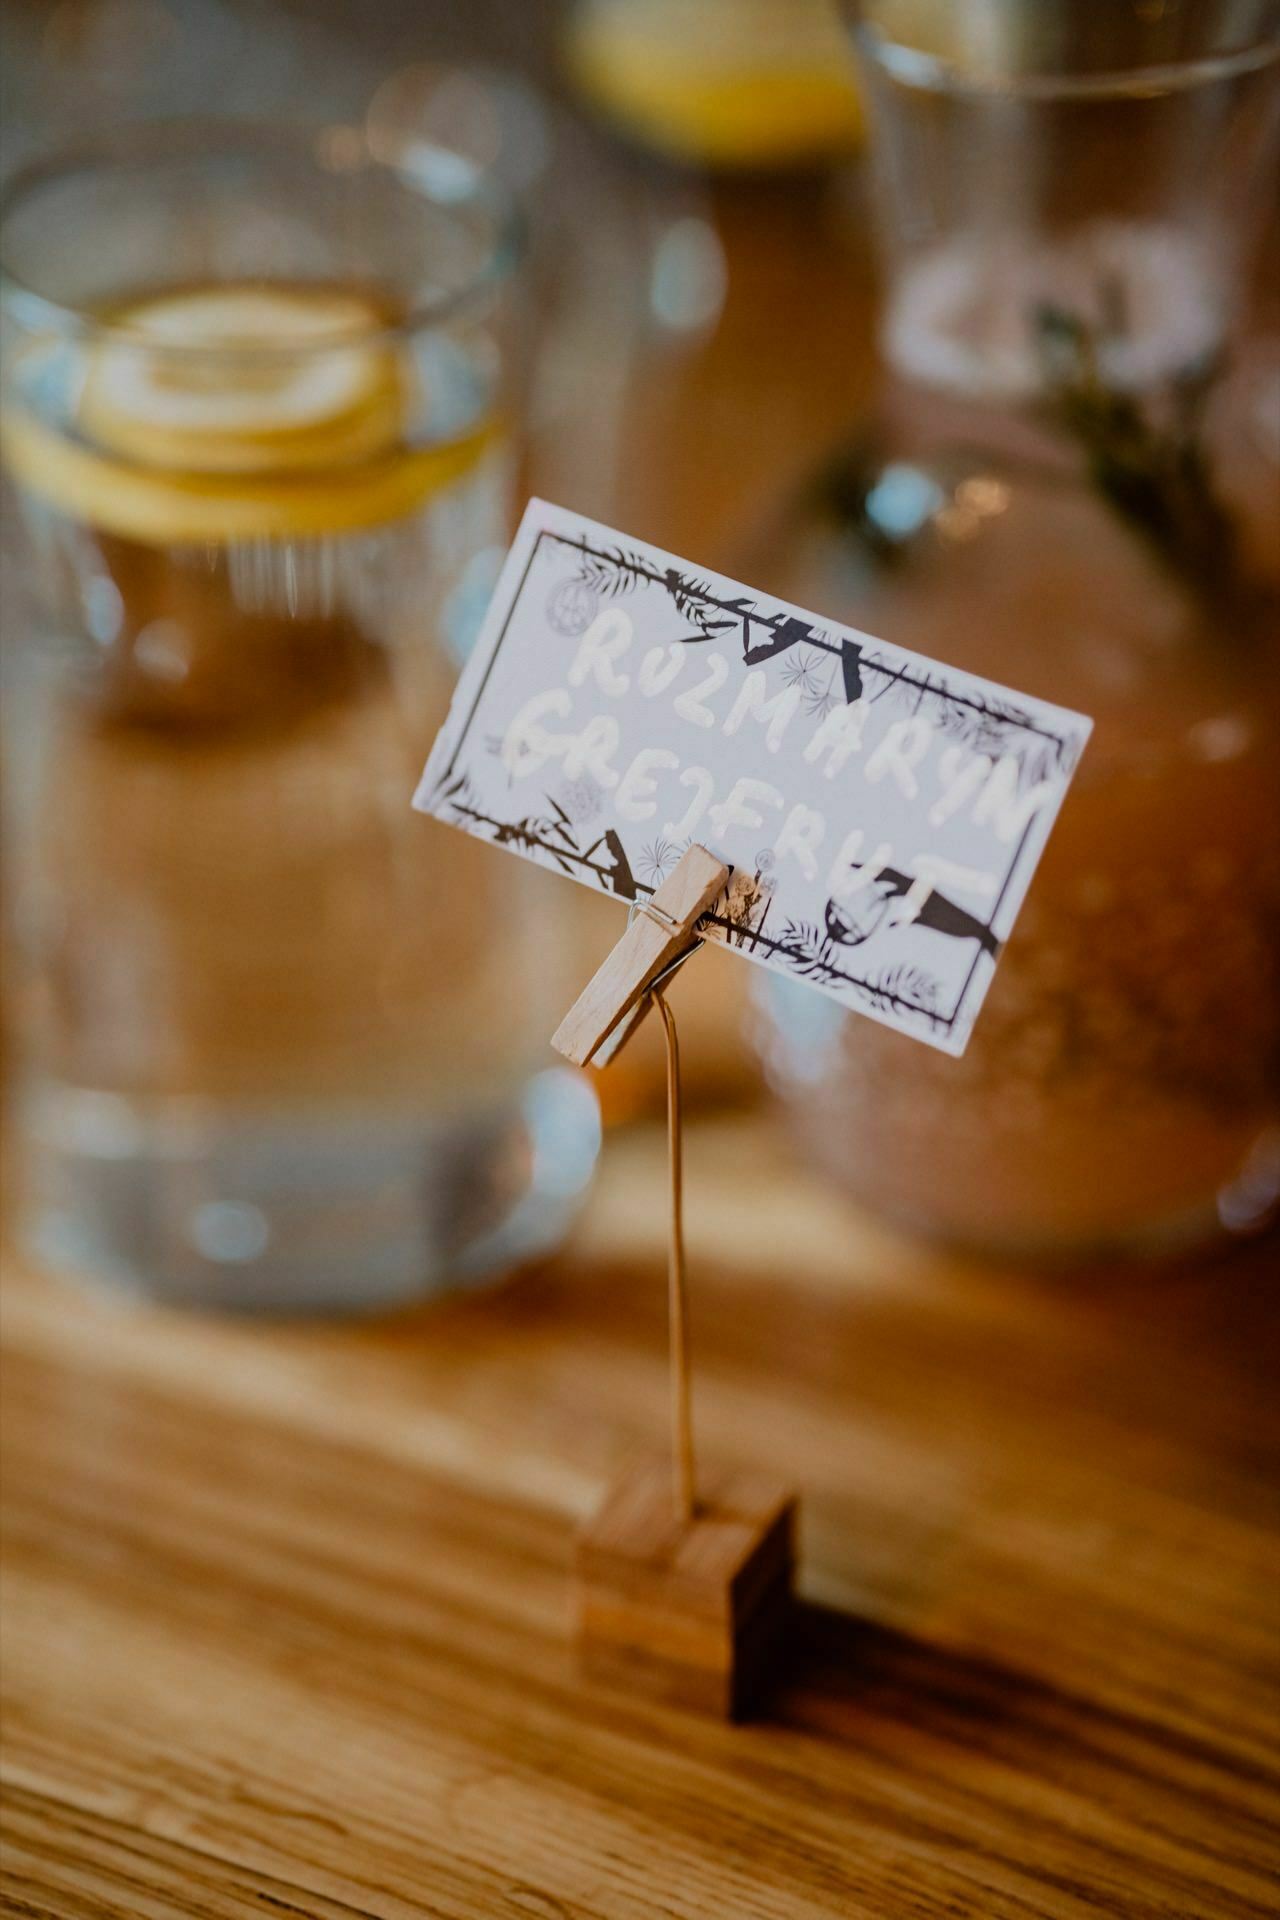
269	1050
1070	485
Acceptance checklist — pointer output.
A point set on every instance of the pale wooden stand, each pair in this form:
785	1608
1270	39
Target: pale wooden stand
683	1589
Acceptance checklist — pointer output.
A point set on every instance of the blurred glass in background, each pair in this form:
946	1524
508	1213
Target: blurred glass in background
623	285
1071	484
255	539
74	68
276	1035
729	84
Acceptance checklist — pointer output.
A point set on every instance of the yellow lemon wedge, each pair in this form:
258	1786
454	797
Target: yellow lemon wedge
239	379
237	412
766	84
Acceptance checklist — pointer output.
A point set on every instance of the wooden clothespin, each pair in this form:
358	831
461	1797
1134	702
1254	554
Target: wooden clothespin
682	1592
615	999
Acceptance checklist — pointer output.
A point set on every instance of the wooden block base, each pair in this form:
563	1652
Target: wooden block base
686	1611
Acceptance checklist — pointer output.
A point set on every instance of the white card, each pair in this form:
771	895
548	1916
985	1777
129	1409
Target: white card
883	813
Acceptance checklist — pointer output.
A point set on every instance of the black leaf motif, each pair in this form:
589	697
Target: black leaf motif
806	951
786	631
613	571
851	669
911	989
460	794
693	598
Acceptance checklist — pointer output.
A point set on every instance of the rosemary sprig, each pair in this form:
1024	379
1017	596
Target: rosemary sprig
1156	475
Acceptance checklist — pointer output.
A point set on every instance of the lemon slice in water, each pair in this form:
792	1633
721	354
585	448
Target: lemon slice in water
240	379
239	412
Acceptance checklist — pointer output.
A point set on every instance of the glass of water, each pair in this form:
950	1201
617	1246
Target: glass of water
279	1042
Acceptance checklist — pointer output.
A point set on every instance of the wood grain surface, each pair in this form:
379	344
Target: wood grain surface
286	1608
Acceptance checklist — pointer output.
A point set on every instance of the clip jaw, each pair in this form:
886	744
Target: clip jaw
660	936
613	1043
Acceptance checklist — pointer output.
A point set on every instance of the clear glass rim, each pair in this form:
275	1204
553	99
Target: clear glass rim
458	190
939	73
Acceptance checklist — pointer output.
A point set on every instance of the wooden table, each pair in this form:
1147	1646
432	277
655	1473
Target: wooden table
286	1615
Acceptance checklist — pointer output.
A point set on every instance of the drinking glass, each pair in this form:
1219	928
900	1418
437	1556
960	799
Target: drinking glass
1069	485
278	1041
